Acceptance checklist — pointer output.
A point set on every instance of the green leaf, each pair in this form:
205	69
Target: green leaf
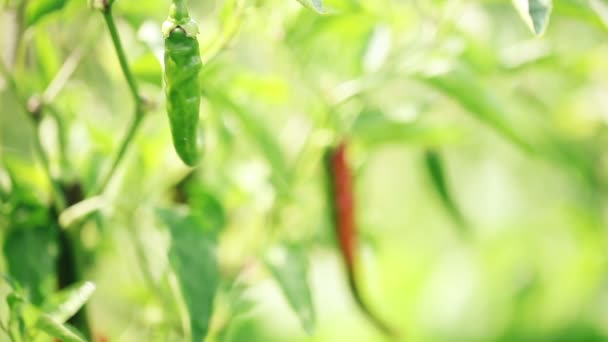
64	304
52	327
147	68
261	135
38	9
373	129
201	201
436	171
315	5
463	88
535	13
30	255
193	258
16	323
601	8
289	267
47	54
239	305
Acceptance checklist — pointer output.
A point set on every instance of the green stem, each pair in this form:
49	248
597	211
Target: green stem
179	10
19	29
64	162
122	150
139	109
8	78
122	57
62	76
55	187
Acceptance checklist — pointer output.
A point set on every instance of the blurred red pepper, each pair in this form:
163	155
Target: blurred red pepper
342	202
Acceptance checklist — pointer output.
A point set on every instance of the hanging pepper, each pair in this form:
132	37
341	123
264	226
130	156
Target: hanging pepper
182	88
343	205
341	200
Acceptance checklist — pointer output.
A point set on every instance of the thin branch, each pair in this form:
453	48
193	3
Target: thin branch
122	150
62	140
58	193
10	81
19	29
120	53
139	108
62	76
53	89
69	66
33	115
4	328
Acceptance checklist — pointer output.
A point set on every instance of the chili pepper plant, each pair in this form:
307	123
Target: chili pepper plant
311	170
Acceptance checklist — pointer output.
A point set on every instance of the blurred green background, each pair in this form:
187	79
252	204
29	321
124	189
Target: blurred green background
519	121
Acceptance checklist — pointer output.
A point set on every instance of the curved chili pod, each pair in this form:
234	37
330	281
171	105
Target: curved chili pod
341	198
182	88
343	205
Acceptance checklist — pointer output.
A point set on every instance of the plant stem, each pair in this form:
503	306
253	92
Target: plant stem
10	80
179	10
122	150
56	187
68	273
62	76
139	109
50	93
62	139
68	270
20	27
38	148
122	57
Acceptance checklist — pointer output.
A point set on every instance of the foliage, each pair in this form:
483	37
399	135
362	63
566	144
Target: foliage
476	130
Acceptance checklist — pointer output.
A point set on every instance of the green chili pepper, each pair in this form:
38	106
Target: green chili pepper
182	67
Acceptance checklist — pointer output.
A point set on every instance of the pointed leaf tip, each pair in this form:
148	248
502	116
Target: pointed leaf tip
289	266
535	13
315	5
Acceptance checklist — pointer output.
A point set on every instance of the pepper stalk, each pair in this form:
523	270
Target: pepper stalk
179	18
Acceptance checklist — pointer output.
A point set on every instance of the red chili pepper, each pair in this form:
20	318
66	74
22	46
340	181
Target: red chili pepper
344	205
